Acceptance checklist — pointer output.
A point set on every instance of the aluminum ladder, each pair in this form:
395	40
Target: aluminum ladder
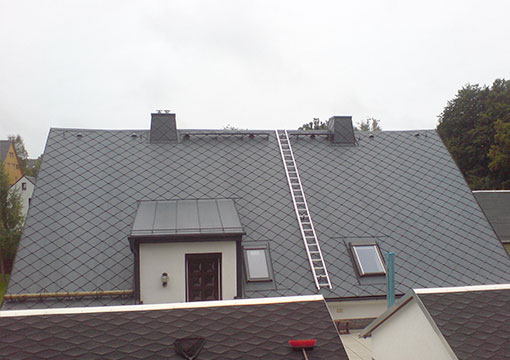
317	264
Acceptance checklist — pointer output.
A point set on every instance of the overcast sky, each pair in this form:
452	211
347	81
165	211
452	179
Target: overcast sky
251	64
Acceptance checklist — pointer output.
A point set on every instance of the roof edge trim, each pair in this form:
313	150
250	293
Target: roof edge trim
462	289
170	306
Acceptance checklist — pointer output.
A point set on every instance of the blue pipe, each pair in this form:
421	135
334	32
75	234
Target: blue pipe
390	278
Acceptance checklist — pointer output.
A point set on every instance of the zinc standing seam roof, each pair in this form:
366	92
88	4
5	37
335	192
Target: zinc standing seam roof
403	190
186	217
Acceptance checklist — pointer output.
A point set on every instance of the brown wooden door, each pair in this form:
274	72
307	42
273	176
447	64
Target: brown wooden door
203	277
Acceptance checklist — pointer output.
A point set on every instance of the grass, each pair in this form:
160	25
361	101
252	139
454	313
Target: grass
3	287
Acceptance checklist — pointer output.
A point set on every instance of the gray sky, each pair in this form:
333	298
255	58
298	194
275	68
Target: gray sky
251	64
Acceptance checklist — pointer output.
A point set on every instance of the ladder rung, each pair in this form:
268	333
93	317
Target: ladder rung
304	218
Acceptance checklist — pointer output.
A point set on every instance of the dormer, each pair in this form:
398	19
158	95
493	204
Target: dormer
187	250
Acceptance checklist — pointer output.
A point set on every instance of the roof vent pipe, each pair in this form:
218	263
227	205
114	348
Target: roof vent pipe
163	128
342	130
390	278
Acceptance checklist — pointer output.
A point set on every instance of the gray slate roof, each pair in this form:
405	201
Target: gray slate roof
403	190
4	149
496	205
476	324
260	331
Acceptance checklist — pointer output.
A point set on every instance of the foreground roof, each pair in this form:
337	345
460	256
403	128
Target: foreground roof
474	320
247	329
400	188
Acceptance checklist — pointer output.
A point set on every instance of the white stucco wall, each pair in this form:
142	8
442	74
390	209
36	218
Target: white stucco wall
156	259
408	335
25	194
341	310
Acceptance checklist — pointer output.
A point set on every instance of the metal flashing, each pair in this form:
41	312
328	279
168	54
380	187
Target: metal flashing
186	305
462	289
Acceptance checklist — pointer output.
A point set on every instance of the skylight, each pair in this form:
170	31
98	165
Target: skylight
368	259
257	264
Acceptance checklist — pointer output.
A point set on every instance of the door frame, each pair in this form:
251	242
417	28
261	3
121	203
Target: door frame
216	256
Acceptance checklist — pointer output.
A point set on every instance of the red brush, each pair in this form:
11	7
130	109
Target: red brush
303	344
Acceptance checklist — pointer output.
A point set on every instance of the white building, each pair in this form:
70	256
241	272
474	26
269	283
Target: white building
469	322
25	187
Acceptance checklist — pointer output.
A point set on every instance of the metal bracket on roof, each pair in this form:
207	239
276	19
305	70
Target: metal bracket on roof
317	264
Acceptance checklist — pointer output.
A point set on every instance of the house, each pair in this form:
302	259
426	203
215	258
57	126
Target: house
235	329
25	187
471	322
496	206
170	215
11	161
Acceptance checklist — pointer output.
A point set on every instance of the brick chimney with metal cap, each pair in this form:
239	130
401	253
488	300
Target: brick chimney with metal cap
163	127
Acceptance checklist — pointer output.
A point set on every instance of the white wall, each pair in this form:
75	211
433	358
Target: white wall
156	259
341	310
408	335
25	194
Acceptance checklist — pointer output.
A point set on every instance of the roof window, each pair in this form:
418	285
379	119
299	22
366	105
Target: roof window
256	259
368	259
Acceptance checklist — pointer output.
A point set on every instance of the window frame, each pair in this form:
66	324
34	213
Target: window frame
23	186
357	260
265	248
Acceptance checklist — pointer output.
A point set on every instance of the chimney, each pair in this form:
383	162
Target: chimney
163	127
342	130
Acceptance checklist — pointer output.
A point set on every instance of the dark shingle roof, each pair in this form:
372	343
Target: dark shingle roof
403	190
496	206
259	331
476	324
4	149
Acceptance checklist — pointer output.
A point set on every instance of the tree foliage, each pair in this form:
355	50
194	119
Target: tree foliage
11	220
316	124
467	126
34	170
369	124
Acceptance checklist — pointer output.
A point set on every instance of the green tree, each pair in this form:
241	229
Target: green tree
467	127
369	124
19	145
499	154
316	124
34	170
11	221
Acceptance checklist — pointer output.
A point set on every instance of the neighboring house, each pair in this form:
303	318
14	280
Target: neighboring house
496	206
25	187
239	329
11	161
166	215
467	323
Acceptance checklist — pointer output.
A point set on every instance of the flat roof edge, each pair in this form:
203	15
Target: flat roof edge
462	289
167	306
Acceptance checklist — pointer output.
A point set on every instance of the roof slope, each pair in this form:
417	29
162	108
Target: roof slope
231	332
496	205
4	149
403	190
476	324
